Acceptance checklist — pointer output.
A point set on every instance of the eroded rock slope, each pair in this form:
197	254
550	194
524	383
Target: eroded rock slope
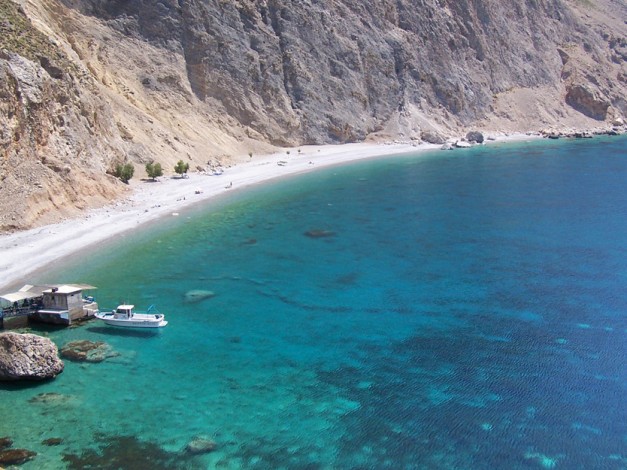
109	81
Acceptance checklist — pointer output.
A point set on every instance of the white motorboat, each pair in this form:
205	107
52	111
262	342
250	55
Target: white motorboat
126	317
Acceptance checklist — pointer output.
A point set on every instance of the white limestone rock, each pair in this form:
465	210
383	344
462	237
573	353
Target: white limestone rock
28	357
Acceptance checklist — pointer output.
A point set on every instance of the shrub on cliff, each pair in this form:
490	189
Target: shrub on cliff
124	172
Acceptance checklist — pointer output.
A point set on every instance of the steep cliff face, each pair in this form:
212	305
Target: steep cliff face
57	138
208	80
329	71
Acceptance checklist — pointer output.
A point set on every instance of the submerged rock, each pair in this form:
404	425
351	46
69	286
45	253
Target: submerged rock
49	398
87	351
5	442
53	441
16	456
128	452
28	357
201	445
319	233
198	295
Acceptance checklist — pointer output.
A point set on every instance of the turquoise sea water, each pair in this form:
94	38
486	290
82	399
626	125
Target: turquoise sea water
452	310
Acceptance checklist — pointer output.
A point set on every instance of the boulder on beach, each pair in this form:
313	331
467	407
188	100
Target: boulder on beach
196	295
200	445
475	136
87	351
433	137
28	357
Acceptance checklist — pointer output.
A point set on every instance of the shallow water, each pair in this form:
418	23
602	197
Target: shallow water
457	309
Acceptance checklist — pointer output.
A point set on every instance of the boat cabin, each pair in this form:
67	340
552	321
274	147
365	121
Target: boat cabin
124	311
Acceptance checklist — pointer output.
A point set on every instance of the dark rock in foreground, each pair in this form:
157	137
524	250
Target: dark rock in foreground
5	442
28	357
16	456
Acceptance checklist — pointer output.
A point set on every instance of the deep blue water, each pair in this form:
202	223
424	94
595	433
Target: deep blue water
461	310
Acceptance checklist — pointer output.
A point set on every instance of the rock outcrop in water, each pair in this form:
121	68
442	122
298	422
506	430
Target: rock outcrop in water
198	295
16	456
87	84
200	445
87	351
28	357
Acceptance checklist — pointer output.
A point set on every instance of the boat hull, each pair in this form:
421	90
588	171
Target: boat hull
138	320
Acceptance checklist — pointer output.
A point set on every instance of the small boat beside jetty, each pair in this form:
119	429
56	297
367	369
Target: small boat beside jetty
125	316
65	304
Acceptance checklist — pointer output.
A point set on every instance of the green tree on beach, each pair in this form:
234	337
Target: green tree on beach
181	168
154	170
124	172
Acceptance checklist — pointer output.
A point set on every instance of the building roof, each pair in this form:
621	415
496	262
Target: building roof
31	292
68	288
18	296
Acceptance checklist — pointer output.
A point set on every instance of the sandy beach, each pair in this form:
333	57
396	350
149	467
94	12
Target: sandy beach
23	253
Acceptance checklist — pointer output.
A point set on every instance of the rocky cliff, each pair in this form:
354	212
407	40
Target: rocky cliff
87	84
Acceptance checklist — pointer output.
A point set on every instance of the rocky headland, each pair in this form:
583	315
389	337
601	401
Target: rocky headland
86	85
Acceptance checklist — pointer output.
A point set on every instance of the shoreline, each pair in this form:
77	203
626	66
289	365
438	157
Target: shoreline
28	251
